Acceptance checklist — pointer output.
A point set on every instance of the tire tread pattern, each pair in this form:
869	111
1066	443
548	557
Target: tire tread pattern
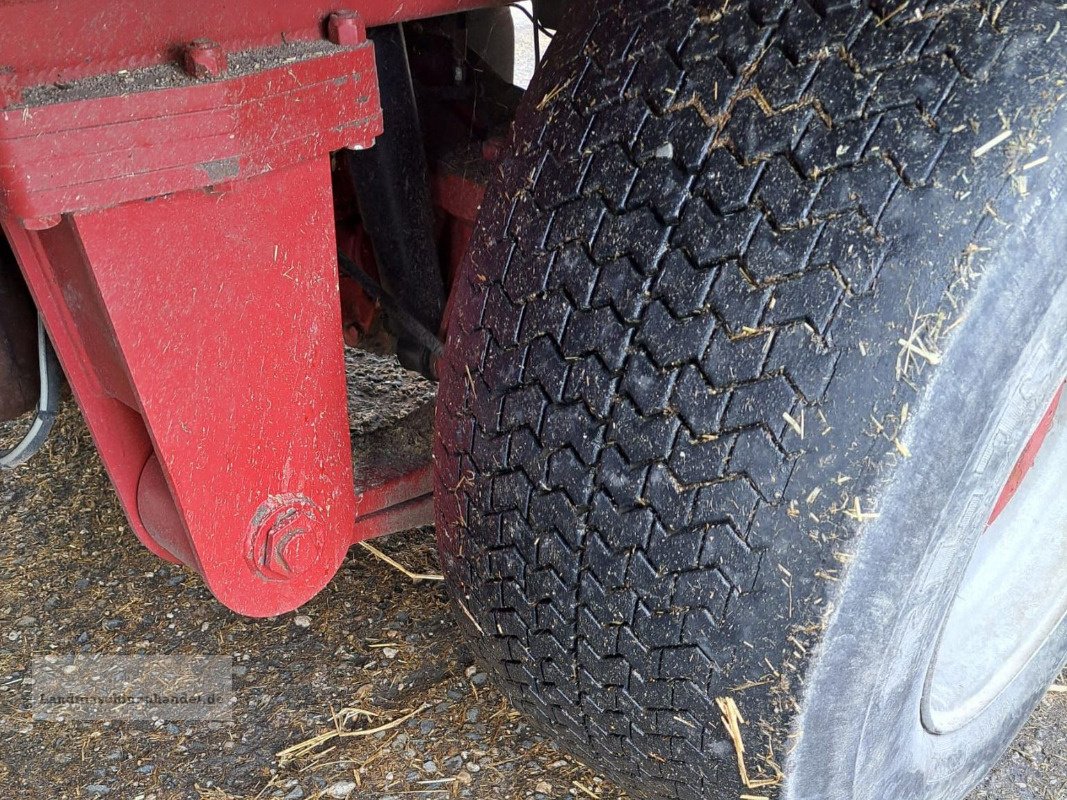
715	226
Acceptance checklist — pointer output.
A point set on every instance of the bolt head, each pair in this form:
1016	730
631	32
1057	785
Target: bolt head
286	538
204	59
346	28
297	554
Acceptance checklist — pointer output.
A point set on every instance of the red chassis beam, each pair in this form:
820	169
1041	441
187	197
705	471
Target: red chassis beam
155	214
49	41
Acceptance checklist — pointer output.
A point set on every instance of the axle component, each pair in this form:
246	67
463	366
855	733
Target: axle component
155	213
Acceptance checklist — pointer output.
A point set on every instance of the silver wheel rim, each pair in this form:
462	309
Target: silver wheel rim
1013	595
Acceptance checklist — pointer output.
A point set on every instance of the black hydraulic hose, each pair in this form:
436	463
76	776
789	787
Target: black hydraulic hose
47	405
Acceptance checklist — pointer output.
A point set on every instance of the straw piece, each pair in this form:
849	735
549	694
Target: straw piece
892	14
470	616
553	94
415	576
796	425
586	790
732	721
998	139
310	745
914	346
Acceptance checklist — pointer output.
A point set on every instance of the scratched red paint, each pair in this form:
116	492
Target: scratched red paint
158	218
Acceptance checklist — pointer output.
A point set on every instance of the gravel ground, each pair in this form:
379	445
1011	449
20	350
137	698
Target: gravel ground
73	579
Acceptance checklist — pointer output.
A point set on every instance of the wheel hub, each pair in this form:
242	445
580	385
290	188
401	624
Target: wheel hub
1013	595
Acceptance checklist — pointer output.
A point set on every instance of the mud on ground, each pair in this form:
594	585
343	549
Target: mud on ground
74	579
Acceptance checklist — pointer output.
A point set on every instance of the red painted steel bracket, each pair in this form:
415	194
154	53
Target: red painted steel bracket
177	236
47	41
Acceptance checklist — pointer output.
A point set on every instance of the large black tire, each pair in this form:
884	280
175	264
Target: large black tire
682	452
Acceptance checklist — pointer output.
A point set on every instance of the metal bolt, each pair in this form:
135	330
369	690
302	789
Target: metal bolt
297	552
346	28
286	537
204	59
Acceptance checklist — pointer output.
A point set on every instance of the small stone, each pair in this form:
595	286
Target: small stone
429	768
390	652
26	622
295	794
112	624
480	679
97	789
544	787
340	789
302	621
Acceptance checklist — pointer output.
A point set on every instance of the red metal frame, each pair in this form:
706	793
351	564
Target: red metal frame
157	215
61	40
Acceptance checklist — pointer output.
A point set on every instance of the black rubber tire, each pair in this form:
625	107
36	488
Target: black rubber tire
682	453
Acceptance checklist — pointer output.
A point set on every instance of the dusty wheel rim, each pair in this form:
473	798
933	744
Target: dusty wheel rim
1013	595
